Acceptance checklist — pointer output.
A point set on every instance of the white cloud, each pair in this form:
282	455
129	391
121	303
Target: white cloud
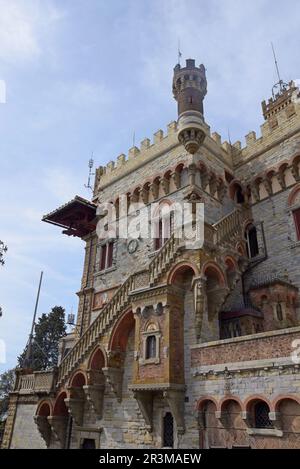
22	25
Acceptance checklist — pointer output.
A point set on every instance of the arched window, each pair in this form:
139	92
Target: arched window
151	338
252	243
279	312
150	347
168	431
261	415
164	227
296	215
294	203
239	196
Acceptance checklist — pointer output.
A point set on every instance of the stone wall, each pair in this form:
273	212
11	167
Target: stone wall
25	434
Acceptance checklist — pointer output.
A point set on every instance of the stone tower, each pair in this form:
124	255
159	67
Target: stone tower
189	89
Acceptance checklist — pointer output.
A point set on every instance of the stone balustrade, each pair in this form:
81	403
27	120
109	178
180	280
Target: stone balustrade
36	382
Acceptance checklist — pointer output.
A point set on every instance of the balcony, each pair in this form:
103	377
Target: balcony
38	382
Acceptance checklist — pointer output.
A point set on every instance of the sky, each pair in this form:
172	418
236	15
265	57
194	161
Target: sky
83	76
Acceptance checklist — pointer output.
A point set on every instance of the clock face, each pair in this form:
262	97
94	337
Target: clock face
132	246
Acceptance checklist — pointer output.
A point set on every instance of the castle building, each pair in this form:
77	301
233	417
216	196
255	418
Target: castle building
178	344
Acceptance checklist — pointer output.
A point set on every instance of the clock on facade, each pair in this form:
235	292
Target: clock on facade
132	246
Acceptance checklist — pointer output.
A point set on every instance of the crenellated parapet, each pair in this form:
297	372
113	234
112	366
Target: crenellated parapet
282	120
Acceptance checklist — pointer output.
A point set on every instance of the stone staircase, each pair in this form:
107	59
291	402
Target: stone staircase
89	338
165	257
230	226
223	231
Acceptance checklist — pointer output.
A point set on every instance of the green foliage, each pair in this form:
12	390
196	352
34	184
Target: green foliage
7	380
44	351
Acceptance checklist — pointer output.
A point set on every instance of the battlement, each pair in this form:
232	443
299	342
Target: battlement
282	117
148	150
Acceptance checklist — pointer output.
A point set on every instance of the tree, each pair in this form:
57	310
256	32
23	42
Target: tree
44	349
3	249
7	380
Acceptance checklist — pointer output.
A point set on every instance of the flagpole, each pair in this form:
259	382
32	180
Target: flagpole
29	347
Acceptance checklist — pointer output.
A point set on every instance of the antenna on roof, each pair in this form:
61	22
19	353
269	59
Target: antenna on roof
91	165
229	139
280	86
179	52
133	139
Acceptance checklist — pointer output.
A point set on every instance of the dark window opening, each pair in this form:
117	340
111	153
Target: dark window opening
239	196
168	434
88	443
106	256
109	255
279	312
229	177
261	415
165	229
296	214
252	243
150	347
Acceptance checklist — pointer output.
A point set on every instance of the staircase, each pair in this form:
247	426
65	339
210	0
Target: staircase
89	338
231	225
221	232
164	258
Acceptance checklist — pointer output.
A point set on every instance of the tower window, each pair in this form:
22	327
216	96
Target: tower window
165	227
150	347
261	415
296	215
106	255
239	197
252	243
168	431
279	312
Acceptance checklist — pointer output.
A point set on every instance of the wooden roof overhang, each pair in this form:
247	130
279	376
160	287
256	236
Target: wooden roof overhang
77	217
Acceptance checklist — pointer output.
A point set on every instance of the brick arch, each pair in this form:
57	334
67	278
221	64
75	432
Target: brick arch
211	268
293	194
254	399
60	407
164	201
228	399
180	166
283	166
167	174
284	397
233	187
98	358
270	173
121	330
180	268
44	408
78	379
203	400
240	248
231	262
296	159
